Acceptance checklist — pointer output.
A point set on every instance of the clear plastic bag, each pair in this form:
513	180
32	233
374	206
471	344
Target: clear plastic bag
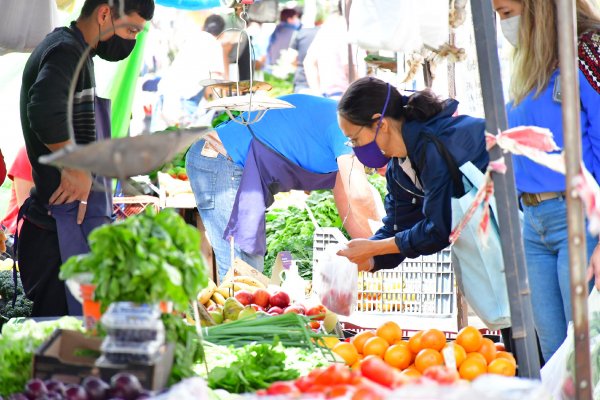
336	281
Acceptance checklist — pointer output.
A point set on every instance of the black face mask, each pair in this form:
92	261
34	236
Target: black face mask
116	48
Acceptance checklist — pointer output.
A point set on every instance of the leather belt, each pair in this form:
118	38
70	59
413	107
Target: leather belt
534	199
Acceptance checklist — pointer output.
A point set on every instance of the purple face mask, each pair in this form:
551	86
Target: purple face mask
370	154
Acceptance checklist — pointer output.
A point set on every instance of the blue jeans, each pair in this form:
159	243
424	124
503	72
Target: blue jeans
546	243
215	182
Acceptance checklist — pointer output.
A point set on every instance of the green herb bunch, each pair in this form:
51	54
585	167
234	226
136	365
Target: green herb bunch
146	258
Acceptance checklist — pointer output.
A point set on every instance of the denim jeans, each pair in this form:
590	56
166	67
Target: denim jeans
546	250
215	182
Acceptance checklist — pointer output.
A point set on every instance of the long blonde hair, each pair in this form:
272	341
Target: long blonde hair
536	56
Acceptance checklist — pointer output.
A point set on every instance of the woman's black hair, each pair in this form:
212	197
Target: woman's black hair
145	8
366	97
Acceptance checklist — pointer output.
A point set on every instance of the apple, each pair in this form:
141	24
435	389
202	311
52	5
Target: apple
301	307
295	309
257	307
318	312
244	297
280	299
275	310
261	298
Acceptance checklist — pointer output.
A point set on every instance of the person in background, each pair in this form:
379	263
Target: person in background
2	168
22	183
180	91
301	41
289	23
236	170
64	206
530	26
327	66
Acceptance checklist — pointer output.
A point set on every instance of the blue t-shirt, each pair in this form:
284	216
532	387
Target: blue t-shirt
545	112
307	135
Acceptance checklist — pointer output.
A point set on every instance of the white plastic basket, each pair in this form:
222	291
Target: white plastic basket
421	286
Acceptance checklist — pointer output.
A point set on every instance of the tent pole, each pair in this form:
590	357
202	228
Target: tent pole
505	192
569	88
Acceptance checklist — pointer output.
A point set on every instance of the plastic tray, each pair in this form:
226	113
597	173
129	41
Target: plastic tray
128	322
118	352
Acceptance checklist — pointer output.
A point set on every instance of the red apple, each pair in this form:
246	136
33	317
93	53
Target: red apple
301	307
257	307
318	312
244	297
275	310
261	298
280	299
295	309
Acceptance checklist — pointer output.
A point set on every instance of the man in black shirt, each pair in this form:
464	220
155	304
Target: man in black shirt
64	205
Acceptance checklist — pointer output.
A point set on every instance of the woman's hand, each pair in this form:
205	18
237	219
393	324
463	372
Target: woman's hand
359	251
594	267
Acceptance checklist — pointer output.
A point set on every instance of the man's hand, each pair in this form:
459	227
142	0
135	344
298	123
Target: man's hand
359	251
75	185
594	267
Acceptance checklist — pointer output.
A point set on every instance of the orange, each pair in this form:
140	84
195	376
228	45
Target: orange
427	358
347	351
469	338
398	356
460	354
414	343
390	331
329	341
478	356
502	366
359	340
488	350
411	372
506	355
375	346
471	369
433	339
500	346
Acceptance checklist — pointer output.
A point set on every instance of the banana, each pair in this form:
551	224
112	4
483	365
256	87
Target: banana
206	293
209	303
218	298
248	280
242	286
226	292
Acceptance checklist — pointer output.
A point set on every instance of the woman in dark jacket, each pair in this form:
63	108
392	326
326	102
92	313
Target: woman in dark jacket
410	135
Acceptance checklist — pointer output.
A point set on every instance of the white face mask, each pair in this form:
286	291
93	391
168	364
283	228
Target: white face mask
510	29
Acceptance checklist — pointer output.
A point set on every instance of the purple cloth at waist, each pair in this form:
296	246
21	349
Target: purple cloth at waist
266	173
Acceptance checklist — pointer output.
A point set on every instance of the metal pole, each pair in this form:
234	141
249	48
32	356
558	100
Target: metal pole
505	192
569	83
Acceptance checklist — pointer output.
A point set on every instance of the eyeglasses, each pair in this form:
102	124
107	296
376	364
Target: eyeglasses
352	142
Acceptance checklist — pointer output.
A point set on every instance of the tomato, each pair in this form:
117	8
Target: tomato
378	371
261	392
441	374
317	389
304	383
366	394
314	324
283	388
317	312
338	391
335	374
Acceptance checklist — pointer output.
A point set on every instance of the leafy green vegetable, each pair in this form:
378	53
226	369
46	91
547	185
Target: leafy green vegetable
292	230
188	349
256	367
146	258
379	183
18	342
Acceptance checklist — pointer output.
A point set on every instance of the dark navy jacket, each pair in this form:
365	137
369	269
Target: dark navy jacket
419	220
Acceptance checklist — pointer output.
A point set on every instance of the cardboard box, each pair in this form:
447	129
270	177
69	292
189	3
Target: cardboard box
241	268
70	356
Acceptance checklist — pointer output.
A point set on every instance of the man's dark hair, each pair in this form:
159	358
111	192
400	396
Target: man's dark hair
145	8
214	24
286	14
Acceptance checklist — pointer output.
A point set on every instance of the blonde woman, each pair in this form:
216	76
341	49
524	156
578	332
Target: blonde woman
535	99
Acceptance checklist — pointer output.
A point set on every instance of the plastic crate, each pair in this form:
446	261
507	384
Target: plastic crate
421	286
124	207
324	237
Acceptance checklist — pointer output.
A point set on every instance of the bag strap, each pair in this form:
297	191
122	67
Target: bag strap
453	169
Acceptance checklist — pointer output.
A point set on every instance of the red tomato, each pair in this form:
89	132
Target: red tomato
335	374
283	388
317	312
304	383
314	324
261	392
441	374
317	389
366	394
378	371
338	391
